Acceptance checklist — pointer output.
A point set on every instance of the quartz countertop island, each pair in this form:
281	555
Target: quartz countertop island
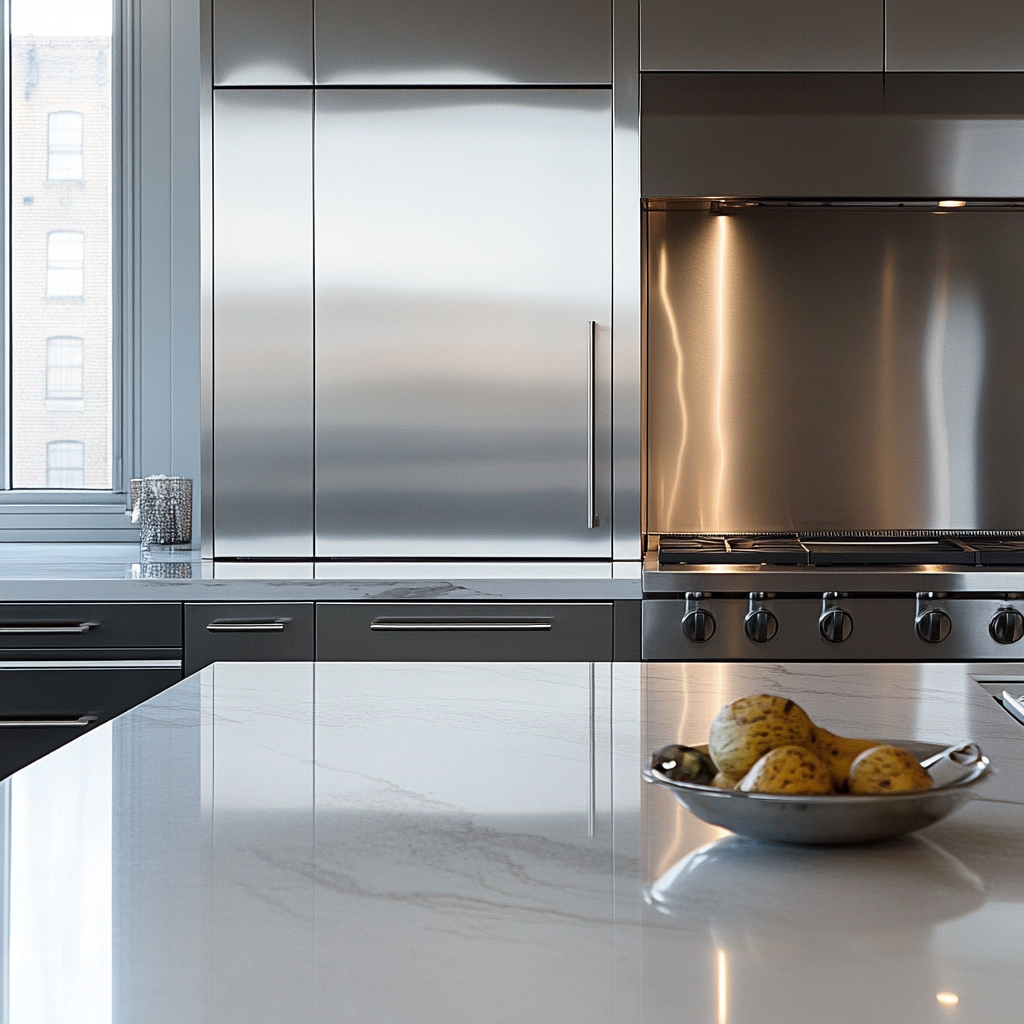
428	843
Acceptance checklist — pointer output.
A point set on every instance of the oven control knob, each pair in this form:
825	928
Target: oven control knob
836	625
933	626
699	625
1007	626
760	625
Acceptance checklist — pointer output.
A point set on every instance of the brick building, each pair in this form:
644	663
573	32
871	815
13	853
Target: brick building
61	262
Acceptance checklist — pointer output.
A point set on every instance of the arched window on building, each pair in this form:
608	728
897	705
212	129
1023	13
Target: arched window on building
64	368
65	464
65	146
65	255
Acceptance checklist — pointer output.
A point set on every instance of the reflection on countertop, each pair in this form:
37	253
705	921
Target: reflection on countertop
451	842
118	572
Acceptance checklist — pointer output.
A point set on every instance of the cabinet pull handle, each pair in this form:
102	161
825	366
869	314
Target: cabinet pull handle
72	665
55	627
229	626
591	426
21	723
449	625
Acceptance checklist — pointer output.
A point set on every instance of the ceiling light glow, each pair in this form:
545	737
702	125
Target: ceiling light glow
947	998
952	202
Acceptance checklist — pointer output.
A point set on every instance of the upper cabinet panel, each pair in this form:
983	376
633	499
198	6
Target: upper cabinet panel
463	42
955	35
262	42
761	35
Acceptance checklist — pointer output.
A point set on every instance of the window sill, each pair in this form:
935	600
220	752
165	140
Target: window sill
33	516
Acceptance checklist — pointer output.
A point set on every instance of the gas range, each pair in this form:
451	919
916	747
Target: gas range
834	597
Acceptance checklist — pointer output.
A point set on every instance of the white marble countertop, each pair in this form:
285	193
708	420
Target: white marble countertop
445	843
121	572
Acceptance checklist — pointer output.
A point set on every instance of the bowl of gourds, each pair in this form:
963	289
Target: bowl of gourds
770	773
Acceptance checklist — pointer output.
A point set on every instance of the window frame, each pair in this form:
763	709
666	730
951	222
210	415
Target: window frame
73	514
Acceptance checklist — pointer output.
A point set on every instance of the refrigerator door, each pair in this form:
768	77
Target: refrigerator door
463	249
263	323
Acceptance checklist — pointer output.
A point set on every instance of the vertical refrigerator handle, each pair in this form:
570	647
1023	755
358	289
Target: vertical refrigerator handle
591	426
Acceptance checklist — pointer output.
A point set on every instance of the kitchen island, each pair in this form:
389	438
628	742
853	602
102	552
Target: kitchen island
428	843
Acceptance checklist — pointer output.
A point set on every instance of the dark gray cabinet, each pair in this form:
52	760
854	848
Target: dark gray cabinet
463	42
247	632
262	42
442	631
67	668
761	35
46	706
954	35
89	627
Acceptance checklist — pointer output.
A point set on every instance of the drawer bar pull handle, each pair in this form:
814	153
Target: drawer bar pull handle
447	625
81	627
20	723
71	665
227	626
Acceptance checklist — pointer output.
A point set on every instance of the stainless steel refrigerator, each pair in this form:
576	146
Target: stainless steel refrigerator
412	305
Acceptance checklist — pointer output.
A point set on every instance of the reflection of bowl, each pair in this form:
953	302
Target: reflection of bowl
829	820
734	882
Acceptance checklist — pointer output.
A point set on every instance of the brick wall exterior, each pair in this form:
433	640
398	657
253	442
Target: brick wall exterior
60	74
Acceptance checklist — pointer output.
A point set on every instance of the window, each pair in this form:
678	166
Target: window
65	146
65	259
65	464
64	359
61	153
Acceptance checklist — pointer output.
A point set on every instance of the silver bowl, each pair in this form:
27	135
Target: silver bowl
834	820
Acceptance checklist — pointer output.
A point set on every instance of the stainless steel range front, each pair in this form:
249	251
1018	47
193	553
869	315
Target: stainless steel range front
827	598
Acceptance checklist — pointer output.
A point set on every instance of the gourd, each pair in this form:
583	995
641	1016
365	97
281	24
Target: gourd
788	771
838	752
748	728
721	781
884	769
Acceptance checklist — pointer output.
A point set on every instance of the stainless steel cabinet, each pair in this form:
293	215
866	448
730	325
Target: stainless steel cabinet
954	35
263	42
443	631
263	323
463	42
762	35
463	269
240	631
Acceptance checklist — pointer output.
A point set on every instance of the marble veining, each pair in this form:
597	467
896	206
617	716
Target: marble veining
429	843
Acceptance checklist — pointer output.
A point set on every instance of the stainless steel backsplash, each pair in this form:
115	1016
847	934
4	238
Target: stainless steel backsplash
850	369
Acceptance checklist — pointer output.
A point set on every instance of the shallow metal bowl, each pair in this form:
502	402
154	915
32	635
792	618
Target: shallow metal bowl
837	819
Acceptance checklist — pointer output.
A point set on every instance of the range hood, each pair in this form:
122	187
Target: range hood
854	135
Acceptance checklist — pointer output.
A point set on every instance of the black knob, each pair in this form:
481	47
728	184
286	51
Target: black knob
933	626
836	625
760	625
699	625
1007	626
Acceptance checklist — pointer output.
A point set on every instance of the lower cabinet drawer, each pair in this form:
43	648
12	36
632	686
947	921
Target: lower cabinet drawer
247	632
41	709
413	631
82	626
